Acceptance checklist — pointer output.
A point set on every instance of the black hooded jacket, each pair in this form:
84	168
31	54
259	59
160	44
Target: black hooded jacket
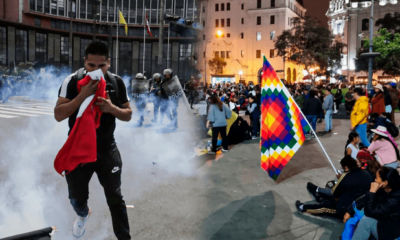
384	207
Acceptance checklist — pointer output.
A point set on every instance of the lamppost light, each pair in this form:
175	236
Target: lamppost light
240	72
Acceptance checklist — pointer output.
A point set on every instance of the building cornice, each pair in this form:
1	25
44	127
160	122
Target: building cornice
268	10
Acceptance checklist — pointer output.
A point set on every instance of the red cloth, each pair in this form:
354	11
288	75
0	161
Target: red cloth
81	147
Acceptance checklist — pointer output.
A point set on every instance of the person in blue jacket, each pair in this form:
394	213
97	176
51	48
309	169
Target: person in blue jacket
255	113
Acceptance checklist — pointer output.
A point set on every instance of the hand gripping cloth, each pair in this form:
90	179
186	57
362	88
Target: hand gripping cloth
80	147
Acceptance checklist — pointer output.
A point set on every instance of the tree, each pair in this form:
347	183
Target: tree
390	22
217	64
388	44
309	45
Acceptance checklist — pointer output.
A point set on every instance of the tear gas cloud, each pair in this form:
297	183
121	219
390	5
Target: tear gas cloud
34	196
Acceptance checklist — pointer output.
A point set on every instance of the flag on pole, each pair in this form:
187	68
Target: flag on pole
122	21
148	27
283	127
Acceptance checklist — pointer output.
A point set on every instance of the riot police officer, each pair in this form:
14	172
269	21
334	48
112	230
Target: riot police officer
171	91
155	92
140	94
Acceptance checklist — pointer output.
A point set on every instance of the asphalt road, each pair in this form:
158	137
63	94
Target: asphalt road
178	197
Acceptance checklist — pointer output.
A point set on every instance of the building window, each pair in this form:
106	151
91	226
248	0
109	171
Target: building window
38	22
216	54
216	22
258	54
3	46
228	54
204	23
228	35
365	24
228	6
32	5
242	6
222	54
222	6
271	53
204	9
46	6
204	54
258	3
242	53
272	35
216	7
84	44
39	6
146	57
242	20
21	46
41	47
272	3
258	20
204	37
53	7
64	54
228	22
125	53
273	19
242	35
222	22
258	36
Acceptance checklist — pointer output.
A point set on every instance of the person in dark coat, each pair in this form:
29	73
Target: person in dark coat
354	183
255	113
312	108
381	207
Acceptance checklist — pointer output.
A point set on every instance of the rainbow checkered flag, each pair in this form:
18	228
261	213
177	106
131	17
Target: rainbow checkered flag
283	127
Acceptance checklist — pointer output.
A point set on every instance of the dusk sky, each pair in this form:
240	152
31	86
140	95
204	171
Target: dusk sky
317	9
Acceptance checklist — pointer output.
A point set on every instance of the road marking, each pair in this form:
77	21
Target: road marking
20	114
6	116
29	110
34	108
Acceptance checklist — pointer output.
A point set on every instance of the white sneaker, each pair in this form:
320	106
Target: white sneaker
254	137
79	225
223	150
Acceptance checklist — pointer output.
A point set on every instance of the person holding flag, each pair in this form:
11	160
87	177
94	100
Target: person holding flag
93	130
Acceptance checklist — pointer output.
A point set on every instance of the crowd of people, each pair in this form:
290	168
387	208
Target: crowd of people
367	193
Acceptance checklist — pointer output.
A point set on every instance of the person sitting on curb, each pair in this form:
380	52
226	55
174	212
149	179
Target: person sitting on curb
351	185
381	206
385	147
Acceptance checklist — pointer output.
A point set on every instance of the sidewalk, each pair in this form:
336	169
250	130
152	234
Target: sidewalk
231	197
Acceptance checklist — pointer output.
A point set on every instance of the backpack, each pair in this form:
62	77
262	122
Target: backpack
110	86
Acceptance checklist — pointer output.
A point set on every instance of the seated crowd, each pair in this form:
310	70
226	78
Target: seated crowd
367	194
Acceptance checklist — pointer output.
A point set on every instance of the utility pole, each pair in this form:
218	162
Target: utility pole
70	35
161	35
371	44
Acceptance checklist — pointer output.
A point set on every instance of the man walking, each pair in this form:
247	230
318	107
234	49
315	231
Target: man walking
359	115
328	108
108	164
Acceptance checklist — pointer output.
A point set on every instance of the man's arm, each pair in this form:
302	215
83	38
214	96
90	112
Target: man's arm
124	113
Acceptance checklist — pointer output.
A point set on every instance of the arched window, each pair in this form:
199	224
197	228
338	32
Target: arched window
294	75
289	75
365	24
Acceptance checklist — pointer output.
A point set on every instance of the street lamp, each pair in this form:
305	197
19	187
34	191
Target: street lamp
240	74
219	33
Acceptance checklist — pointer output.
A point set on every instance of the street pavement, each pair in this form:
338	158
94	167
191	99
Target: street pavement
175	194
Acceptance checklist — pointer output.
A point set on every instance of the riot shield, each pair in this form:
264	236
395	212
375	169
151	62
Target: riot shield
140	88
173	88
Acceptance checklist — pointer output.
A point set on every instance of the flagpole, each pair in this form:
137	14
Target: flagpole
116	47
323	149
169	30
144	35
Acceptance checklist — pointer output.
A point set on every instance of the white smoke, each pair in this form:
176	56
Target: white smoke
34	196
